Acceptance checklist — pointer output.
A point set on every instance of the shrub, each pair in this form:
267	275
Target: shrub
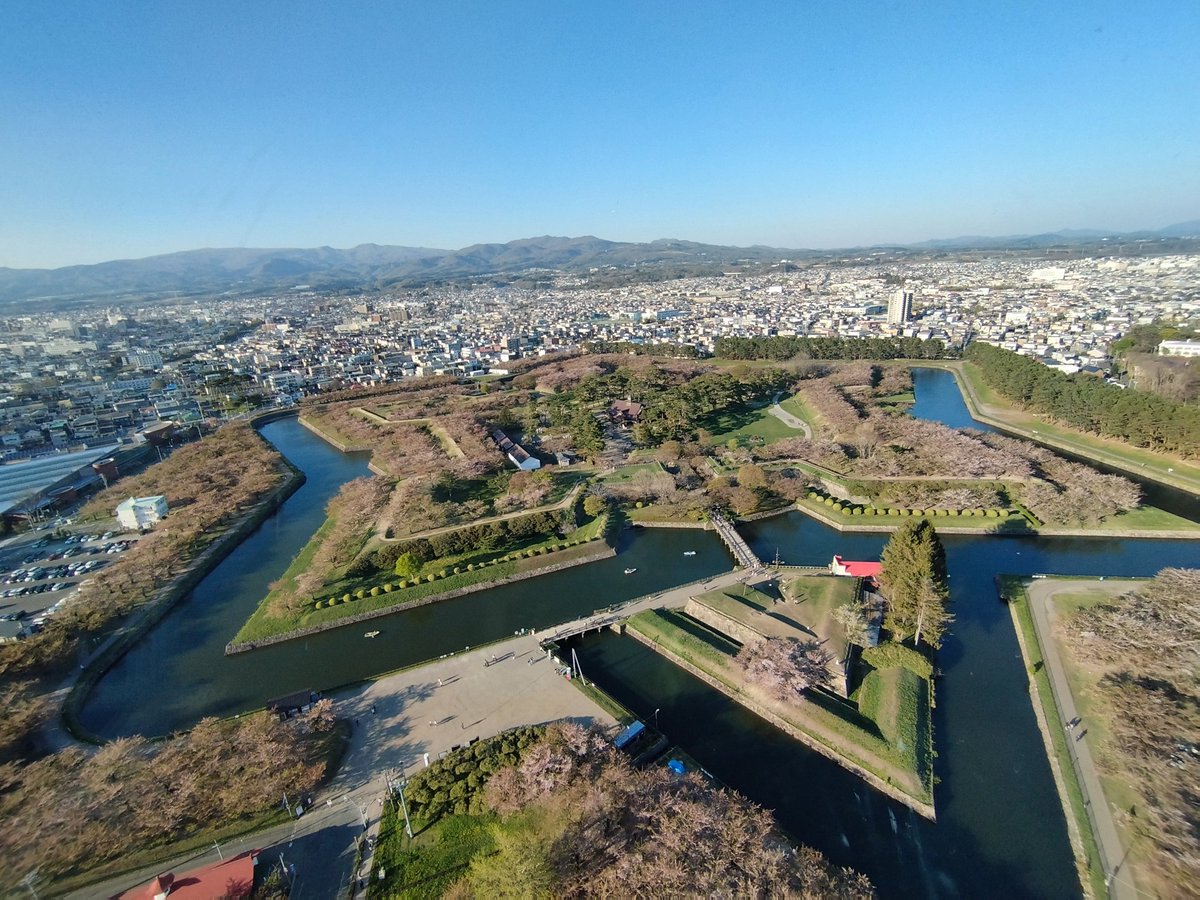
993	513
403	584
639	504
906	512
813	495
829	501
387	588
375	592
346	598
858	511
870	511
318	604
430	577
442	573
359	594
458	570
955	512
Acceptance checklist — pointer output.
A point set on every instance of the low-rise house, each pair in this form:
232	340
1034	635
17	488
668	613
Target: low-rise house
141	512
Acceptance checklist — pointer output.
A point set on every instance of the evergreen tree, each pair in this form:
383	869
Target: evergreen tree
914	581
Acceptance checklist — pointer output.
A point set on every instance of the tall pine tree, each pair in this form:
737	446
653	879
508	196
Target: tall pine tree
914	582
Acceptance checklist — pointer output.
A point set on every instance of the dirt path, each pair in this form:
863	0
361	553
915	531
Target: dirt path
788	419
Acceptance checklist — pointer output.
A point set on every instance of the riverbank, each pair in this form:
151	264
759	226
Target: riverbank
604	551
1099	852
988	407
829	750
128	635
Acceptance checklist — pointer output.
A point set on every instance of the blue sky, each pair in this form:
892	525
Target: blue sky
129	129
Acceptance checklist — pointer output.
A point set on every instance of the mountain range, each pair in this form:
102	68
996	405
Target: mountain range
372	266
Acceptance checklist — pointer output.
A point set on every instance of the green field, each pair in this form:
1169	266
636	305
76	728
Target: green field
748	425
628	473
488	567
797	407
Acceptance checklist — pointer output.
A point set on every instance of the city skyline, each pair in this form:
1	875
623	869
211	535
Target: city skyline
149	130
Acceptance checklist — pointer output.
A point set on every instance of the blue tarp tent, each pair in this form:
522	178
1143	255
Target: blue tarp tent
627	736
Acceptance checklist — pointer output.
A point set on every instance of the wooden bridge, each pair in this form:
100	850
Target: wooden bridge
735	542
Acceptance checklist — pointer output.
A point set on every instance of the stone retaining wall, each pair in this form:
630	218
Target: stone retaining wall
880	784
234	647
718	621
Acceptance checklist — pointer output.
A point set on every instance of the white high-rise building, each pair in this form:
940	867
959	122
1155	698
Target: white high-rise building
900	307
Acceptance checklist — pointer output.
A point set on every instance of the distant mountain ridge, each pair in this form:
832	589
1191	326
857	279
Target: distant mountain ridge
374	266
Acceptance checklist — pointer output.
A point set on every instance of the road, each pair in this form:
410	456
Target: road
1040	593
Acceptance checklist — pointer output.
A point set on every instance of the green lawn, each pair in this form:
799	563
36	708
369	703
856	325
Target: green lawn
797	407
424	868
748	425
628	473
813	600
493	566
1168	469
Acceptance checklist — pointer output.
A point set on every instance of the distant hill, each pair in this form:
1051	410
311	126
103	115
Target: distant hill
367	266
372	266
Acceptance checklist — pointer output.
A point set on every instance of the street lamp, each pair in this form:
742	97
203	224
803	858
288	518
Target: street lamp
396	785
361	810
656	719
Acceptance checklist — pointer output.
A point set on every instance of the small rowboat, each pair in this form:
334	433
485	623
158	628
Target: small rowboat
373	634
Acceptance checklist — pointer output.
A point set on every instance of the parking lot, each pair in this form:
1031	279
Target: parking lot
39	573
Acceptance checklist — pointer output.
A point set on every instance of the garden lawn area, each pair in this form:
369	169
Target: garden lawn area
827	720
796	406
425	867
748	425
628	473
814	598
1091	704
490	566
1148	518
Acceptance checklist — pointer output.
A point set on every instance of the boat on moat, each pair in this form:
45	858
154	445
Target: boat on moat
630	571
689	552
373	634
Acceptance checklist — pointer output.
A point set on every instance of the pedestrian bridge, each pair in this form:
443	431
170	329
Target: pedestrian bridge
735	542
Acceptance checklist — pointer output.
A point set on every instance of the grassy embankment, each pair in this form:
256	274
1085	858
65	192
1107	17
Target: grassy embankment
450	820
989	406
384	590
884	727
1013	589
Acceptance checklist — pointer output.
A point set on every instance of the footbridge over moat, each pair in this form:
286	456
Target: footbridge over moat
735	542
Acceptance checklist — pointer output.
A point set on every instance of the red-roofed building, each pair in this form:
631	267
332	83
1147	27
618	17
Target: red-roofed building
232	878
854	569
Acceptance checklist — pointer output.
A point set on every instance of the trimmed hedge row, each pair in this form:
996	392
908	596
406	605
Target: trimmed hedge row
846	508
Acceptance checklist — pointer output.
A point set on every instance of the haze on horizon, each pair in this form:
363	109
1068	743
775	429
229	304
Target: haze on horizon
136	129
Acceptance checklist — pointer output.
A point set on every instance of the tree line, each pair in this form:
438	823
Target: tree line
782	348
1090	404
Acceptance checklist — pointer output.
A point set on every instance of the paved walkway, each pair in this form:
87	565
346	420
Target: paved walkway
788	419
1078	744
403	720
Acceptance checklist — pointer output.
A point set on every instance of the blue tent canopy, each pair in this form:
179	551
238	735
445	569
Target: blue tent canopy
628	734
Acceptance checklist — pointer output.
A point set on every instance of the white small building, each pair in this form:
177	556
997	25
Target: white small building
141	512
